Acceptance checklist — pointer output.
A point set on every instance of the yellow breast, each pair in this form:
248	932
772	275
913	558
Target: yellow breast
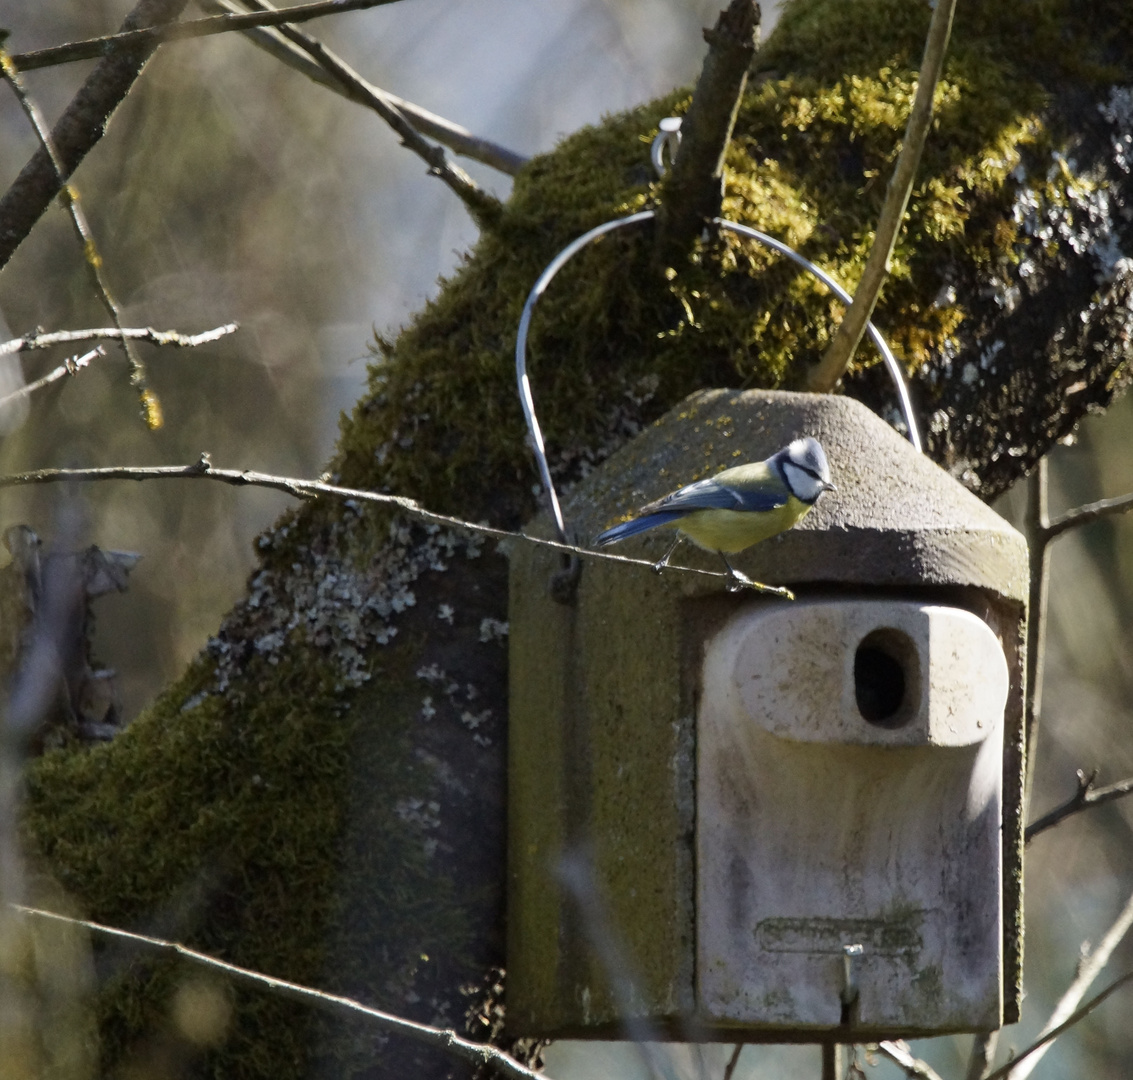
733	530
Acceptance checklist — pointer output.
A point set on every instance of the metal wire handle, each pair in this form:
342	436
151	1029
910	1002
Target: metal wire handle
525	399
564	256
894	368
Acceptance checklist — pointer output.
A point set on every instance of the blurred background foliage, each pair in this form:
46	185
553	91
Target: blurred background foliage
231	188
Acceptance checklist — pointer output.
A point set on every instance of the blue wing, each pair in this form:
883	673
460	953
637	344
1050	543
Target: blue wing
637	525
712	495
757	500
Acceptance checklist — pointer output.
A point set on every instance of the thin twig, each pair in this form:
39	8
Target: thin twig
982	1055
458	139
1050	1036
1083	515
81	125
69	367
1086	796
305	489
1040	532
824	377
899	1053
69	198
733	1061
446	1040
483	207
184	31
1089	968
1035	526
40	340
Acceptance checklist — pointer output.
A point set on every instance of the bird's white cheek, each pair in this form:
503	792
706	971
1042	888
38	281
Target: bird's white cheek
803	486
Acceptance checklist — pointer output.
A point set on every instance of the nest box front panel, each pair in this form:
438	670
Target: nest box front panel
849	794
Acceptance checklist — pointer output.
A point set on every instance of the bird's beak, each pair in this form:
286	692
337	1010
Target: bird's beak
829	487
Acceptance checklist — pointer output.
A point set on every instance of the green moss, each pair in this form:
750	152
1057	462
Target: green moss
809	163
233	822
208	824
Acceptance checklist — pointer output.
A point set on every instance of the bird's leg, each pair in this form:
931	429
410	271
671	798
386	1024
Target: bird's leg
742	581
736	580
664	560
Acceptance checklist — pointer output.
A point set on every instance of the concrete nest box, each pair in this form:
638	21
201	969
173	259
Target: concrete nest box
740	817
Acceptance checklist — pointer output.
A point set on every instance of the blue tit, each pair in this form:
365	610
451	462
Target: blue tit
737	507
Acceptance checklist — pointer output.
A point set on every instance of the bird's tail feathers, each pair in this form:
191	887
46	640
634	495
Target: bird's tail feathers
637	525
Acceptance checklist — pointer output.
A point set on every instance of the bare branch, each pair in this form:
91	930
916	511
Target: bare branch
1086	796
1040	531
824	377
306	489
151	37
1034	528
1088	970
1084	515
899	1053
69	197
733	1061
691	194
483	207
82	124
458	139
69	367
202	467
1008	1070
445	1040
40	340
982	1055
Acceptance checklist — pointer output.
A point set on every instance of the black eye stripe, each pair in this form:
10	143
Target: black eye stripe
813	473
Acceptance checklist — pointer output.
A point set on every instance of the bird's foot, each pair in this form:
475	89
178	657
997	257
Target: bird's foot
738	581
662	562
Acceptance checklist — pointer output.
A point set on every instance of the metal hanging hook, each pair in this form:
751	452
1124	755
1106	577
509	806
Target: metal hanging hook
668	138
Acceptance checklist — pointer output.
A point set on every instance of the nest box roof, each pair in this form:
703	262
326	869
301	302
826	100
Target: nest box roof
896	519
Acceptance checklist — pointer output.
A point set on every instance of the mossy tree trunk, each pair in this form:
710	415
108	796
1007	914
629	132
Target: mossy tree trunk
322	795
